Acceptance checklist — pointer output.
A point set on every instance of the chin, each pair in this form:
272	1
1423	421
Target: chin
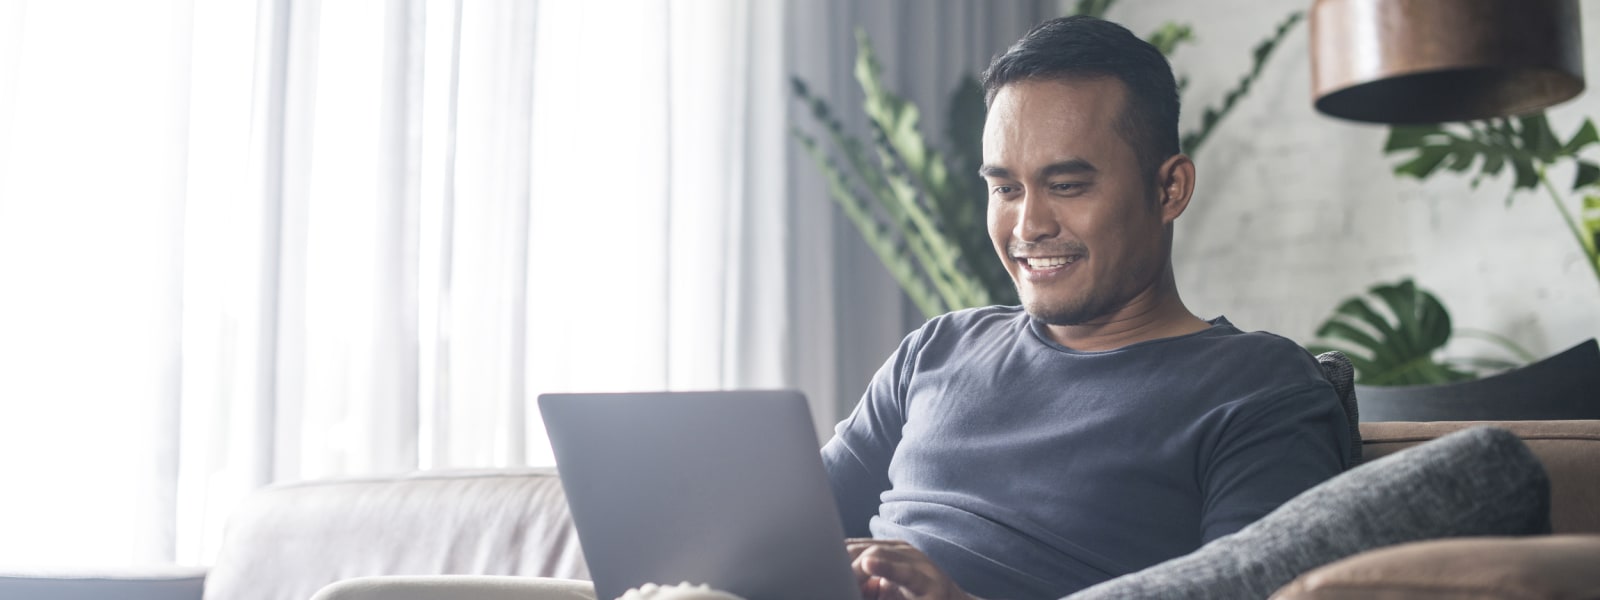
1057	313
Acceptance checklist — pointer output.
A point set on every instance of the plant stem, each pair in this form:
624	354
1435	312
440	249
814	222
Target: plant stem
1572	225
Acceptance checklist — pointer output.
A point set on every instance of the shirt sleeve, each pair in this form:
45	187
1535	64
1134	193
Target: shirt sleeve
1269	452
857	458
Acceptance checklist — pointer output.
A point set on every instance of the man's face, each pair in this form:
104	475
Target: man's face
1070	210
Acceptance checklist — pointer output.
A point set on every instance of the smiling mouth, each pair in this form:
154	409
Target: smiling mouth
1047	262
1044	265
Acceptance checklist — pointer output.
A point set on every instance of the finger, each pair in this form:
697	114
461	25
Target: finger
875	542
871	588
903	569
855	546
863	578
855	550
878	588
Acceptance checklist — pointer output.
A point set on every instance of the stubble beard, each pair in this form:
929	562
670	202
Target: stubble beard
1088	305
1066	312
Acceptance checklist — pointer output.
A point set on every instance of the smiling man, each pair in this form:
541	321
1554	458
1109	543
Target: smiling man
1031	451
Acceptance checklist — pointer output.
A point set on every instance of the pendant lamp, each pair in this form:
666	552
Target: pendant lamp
1432	61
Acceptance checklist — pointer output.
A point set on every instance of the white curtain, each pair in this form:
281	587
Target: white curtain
92	172
246	242
477	202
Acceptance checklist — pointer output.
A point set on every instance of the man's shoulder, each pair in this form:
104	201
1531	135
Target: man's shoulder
967	328
1264	342
1265	356
982	318
973	323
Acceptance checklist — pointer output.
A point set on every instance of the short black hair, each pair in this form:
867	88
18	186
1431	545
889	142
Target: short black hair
1082	46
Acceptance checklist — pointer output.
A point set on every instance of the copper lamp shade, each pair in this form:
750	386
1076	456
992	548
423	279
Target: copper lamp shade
1432	61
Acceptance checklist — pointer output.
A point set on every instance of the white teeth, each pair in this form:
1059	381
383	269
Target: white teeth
1053	261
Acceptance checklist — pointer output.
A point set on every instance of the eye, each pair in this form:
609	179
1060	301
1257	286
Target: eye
1002	190
1068	187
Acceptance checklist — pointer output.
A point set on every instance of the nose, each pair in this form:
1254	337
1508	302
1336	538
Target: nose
1035	221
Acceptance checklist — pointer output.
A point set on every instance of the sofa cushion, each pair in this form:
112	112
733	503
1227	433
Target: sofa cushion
1544	567
289	540
1570	451
1336	368
1477	482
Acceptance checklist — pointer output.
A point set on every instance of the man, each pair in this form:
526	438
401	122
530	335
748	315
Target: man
1101	427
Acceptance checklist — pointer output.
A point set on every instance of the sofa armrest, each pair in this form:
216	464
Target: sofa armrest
288	540
1555	566
448	587
151	583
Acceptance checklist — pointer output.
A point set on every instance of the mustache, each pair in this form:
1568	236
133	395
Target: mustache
1054	248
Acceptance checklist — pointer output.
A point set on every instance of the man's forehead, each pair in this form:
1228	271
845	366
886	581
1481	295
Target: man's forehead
1084	89
1047	122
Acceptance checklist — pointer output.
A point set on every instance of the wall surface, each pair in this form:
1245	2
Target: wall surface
1295	211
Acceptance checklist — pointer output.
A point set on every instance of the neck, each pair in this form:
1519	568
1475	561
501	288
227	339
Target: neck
1155	313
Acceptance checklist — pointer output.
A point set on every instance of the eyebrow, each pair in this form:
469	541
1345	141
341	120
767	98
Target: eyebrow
1076	166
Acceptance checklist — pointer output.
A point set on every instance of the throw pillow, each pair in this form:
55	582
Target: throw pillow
1475	482
1336	368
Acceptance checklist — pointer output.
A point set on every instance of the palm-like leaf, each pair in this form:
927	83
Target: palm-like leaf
1527	144
965	212
900	194
1395	347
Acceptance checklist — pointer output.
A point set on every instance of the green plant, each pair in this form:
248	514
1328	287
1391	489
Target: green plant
919	209
1400	343
1528	146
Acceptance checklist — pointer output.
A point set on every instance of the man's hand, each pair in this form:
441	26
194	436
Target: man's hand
893	570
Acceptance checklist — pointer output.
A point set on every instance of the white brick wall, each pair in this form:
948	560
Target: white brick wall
1295	211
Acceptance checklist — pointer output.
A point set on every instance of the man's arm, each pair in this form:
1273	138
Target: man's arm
1268	452
857	458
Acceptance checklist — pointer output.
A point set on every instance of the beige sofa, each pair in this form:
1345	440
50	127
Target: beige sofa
1564	565
290	540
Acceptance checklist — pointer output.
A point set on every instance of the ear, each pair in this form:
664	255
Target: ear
1174	186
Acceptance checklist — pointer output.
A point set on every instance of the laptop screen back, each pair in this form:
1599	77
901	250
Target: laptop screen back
718	488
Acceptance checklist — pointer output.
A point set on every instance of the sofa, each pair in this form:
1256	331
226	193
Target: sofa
1561	565
288	540
506	526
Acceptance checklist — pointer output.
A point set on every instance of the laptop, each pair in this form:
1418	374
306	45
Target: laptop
725	489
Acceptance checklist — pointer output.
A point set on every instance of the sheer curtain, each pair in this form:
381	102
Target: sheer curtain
249	243
92	178
465	204
246	242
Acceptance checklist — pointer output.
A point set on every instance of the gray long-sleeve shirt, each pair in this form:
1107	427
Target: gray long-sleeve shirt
1028	470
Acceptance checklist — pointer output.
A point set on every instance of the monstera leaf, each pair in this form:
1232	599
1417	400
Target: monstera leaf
1396	346
1528	146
